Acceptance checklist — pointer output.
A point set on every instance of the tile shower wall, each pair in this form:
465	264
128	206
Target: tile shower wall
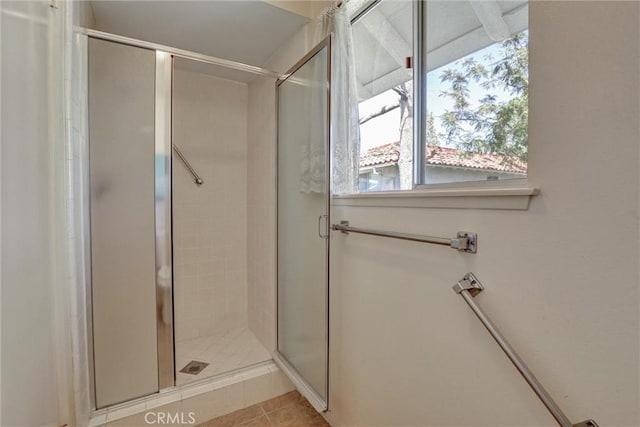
209	221
262	212
261	188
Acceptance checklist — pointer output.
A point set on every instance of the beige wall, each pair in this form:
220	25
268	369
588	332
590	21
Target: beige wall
307	8
405	350
84	14
209	221
30	376
562	278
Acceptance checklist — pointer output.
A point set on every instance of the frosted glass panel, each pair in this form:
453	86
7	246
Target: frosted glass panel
122	152
302	199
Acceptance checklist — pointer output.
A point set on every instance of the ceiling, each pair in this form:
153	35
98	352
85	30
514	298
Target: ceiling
247	31
383	37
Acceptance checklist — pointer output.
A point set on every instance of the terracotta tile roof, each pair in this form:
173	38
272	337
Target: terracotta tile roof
381	155
389	154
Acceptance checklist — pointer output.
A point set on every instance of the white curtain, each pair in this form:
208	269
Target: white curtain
312	81
345	130
77	148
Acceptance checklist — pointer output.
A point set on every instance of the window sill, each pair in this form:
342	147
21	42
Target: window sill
469	197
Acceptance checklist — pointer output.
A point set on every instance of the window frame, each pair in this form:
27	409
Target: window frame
420	188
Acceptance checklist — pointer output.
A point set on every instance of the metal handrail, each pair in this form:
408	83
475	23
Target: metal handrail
196	177
468	288
463	242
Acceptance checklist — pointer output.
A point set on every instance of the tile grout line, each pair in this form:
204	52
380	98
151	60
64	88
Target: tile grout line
264	413
299	408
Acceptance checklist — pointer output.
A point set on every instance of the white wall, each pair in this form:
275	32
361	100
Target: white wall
445	175
209	221
561	278
388	176
307	8
32	227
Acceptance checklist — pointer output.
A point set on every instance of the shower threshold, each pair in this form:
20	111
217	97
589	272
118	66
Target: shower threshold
99	418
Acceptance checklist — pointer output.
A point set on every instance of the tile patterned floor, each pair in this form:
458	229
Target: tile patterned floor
224	351
288	410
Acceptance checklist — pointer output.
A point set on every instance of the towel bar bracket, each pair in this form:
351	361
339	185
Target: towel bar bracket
465	242
469	283
344	224
588	423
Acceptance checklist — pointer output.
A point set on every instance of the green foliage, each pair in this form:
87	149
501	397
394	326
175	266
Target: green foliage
489	126
432	134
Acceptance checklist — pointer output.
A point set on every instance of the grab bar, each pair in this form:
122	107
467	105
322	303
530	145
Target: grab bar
196	177
468	288
464	241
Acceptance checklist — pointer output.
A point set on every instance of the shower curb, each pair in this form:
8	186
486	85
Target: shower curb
104	416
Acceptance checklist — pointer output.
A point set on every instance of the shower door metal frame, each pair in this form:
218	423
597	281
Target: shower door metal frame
320	404
164	216
179	53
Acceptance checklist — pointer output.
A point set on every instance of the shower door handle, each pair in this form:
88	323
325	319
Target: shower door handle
326	223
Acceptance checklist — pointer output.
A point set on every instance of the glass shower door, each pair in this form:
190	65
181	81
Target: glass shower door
131	273
303	100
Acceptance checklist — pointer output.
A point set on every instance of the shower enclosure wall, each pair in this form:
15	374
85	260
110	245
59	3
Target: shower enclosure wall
154	288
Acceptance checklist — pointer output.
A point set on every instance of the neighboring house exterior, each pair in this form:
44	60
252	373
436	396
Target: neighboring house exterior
379	167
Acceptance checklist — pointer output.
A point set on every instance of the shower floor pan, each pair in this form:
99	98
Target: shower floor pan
224	351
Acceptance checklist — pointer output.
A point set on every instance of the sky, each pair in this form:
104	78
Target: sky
385	129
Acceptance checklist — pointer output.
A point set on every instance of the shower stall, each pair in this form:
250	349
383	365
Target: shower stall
168	150
168	232
210	223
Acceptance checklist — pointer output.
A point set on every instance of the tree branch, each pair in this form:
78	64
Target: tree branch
383	110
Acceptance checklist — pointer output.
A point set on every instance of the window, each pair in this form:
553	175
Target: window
383	42
475	108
